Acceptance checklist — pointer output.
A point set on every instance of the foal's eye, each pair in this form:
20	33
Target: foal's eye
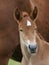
21	30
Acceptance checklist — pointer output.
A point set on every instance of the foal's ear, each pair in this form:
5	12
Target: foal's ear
17	14
34	13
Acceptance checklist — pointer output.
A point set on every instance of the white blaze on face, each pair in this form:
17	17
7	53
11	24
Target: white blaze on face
28	23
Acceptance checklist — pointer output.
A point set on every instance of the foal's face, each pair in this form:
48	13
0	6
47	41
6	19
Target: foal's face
27	31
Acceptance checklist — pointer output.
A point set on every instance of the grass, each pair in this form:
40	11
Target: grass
12	62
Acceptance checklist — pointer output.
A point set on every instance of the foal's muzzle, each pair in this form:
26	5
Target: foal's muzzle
32	48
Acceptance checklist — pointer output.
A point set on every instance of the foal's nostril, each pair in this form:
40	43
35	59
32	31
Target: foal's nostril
32	48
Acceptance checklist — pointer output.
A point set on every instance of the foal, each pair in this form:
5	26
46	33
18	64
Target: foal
35	50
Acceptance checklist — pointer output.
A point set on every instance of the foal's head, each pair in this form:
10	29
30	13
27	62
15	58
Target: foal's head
27	29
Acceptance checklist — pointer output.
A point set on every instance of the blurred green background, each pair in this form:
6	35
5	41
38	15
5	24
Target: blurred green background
13	62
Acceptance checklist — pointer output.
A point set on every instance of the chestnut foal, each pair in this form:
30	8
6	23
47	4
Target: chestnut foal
34	49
